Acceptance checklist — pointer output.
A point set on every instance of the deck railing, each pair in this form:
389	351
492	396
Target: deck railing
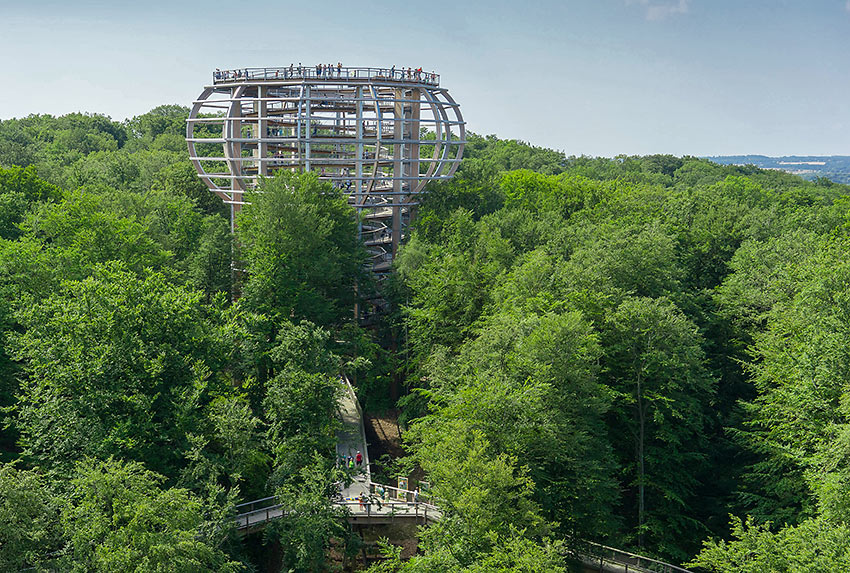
261	511
250	506
401	494
326	73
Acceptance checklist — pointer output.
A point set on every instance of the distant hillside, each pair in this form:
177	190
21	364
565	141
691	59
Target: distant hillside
833	167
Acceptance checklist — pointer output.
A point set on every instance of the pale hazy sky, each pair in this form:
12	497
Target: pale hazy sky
593	77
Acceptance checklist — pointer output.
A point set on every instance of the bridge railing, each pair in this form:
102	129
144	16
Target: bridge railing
369	507
367	465
401	494
250	506
597	554
376	508
258	516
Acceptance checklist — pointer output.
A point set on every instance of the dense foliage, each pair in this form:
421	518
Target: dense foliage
656	341
626	350
140	402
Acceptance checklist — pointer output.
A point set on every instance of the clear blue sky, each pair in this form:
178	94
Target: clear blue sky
593	77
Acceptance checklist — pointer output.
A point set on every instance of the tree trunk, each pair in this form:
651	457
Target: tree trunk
396	375
640	443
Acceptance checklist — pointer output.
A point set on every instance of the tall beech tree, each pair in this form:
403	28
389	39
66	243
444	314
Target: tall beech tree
120	518
116	366
29	519
655	364
300	250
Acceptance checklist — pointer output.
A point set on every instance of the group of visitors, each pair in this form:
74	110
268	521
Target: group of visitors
327	70
366	502
230	74
412	74
380	498
346	183
354	462
322	71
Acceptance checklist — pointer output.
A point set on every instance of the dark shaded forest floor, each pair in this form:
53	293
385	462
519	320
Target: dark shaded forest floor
383	436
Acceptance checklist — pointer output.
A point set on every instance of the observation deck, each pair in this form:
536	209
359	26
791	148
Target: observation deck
377	135
347	73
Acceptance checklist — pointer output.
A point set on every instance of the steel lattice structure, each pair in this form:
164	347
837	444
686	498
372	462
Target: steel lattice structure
378	134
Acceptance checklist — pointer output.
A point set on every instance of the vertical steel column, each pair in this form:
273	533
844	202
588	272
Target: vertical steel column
358	156
299	125
398	161
336	165
308	135
262	127
413	137
413	116
237	185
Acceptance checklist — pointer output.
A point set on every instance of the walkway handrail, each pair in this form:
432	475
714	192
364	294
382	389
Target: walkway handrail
243	520
603	554
365	451
372	506
406	494
252	505
327	73
369	507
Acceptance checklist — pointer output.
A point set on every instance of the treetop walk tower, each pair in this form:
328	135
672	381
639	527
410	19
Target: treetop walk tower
377	134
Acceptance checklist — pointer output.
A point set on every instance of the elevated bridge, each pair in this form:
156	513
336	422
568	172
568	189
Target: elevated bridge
384	505
365	501
370	503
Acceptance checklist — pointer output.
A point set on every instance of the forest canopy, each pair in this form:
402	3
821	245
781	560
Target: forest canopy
648	352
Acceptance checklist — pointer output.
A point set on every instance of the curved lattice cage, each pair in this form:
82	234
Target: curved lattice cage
377	134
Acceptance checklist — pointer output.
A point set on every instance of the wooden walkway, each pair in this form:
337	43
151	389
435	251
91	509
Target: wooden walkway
596	557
